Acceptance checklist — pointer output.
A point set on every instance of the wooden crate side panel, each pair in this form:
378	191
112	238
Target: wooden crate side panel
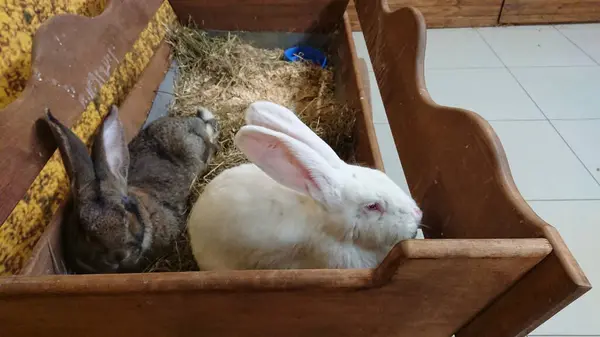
20	20
303	16
445	13
415	301
552	285
550	11
457	170
454	162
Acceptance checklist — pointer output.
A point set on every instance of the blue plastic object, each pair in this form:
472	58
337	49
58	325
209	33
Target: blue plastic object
298	53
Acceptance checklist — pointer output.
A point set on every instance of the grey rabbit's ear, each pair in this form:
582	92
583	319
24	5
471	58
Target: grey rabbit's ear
74	154
111	156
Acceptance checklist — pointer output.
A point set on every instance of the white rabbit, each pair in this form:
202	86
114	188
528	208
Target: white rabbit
298	206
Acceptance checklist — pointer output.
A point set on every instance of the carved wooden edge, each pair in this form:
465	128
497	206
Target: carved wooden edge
376	18
263	280
458	249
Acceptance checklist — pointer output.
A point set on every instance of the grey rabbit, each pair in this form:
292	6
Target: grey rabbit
129	206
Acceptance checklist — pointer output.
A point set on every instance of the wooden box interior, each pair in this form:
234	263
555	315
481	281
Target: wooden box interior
490	266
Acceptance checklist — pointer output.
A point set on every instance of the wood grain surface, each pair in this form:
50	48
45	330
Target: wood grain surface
426	293
457	171
20	20
445	13
550	11
364	72
305	16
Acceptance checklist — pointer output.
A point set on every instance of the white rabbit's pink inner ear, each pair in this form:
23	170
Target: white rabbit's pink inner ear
278	118
288	161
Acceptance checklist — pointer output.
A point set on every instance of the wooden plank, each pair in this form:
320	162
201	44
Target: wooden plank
364	73
457	171
413	301
305	16
445	13
550	11
543	292
453	161
20	20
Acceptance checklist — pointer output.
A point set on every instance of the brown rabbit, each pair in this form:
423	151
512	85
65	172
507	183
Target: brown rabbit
129	206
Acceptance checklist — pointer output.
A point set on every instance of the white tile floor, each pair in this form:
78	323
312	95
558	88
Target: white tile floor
539	86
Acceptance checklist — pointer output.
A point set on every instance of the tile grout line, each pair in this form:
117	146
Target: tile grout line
540	109
560	134
576	45
556	129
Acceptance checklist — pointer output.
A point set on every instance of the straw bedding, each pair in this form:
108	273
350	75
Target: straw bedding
225	75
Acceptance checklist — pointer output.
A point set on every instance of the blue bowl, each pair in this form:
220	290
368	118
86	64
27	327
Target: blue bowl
299	53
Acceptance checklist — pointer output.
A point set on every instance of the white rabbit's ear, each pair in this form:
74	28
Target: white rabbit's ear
289	162
278	118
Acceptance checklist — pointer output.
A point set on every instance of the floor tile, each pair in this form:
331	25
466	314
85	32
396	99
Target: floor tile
376	102
361	48
543	166
583	137
492	93
458	48
579	225
578	26
564	92
379	115
585	36
164	96
391	162
534	46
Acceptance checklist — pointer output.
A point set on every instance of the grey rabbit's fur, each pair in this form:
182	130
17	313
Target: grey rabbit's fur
129	205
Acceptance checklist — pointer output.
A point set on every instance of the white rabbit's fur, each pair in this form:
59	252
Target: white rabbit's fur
298	205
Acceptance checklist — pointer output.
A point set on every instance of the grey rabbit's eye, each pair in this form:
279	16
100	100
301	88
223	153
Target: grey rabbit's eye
135	222
136	229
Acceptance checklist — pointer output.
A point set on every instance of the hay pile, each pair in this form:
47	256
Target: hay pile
225	75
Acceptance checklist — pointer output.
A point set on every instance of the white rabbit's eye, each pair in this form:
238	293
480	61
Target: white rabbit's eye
375	207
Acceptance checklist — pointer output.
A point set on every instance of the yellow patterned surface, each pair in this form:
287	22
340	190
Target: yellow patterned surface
24	226
19	20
